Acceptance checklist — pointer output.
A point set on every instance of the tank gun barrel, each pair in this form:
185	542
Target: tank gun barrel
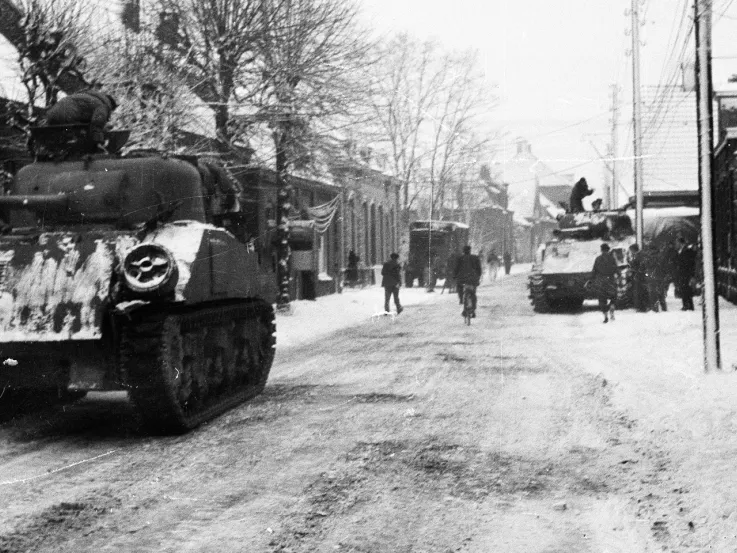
36	202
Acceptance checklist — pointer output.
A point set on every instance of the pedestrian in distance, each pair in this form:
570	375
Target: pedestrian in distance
507	257
578	193
685	271
493	262
604	281
88	107
467	271
390	281
352	272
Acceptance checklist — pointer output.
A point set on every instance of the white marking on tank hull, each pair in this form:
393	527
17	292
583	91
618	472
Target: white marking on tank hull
57	300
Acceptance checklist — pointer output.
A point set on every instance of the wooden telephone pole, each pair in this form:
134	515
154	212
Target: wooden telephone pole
702	31
613	199
637	120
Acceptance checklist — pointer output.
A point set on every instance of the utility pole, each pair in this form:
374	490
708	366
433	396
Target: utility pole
637	120
613	199
702	30
608	184
341	270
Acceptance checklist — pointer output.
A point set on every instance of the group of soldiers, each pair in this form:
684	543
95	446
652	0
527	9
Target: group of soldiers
653	270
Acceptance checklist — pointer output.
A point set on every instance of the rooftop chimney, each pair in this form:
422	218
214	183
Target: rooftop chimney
523	147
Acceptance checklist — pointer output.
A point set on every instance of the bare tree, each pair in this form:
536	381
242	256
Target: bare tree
48	36
430	106
456	144
308	60
51	38
212	45
154	103
405	87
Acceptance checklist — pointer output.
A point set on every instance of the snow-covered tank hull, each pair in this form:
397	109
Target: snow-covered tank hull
561	275
114	277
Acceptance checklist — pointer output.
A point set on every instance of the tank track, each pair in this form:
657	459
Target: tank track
187	367
540	302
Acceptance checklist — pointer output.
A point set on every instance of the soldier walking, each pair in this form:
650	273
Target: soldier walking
390	281
639	287
605	273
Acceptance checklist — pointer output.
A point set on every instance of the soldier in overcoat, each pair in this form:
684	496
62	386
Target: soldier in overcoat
604	281
390	281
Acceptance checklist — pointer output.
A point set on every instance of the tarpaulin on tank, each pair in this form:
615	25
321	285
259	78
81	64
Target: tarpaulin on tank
55	286
663	225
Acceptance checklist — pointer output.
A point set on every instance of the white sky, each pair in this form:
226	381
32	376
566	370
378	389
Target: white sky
553	62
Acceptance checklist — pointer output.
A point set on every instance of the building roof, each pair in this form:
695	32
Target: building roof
556	193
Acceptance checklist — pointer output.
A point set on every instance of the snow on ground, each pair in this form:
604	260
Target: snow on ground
654	363
309	320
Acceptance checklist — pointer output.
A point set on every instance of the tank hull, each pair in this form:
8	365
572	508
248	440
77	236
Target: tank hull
137	274
561	276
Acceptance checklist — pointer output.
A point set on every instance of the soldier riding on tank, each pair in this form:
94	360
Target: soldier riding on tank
90	108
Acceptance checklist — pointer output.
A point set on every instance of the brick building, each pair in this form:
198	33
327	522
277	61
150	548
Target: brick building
354	208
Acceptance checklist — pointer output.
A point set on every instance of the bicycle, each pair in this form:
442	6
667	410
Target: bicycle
468	310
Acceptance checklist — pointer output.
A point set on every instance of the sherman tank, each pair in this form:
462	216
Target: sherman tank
140	273
561	274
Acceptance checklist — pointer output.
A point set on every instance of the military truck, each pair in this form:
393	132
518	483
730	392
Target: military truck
561	274
436	243
140	273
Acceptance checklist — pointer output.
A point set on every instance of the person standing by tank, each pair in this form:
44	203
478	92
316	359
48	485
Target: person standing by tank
685	271
667	261
639	287
578	193
604	280
507	257
88	107
467	271
390	281
655	277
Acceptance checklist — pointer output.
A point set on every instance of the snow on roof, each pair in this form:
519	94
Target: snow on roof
550	208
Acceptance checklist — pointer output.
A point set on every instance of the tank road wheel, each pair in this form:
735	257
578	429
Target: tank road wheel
185	368
540	302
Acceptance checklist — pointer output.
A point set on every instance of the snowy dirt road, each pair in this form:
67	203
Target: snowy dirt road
420	435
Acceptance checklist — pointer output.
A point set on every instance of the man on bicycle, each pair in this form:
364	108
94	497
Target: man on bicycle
467	271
